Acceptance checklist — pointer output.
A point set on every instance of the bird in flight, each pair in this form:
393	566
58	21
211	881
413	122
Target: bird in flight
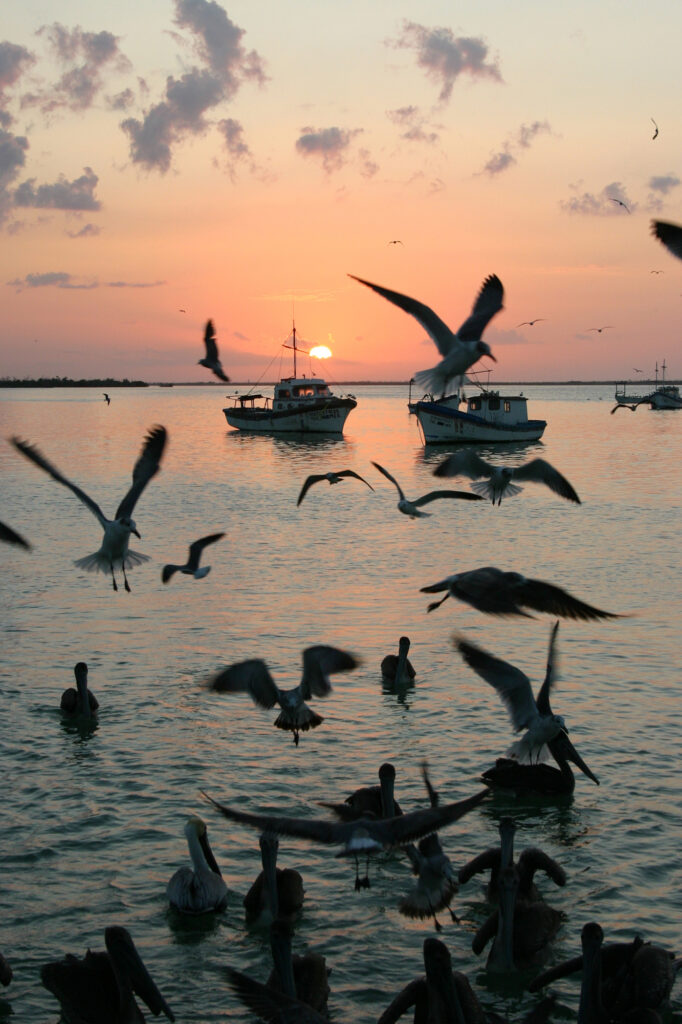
333	478
625	405
396	241
606	327
656	271
211	360
530	323
498	479
655	135
11	536
413	508
637	370
191	566
106	398
669	234
620	203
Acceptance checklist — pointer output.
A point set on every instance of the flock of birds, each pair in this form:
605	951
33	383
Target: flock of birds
622	983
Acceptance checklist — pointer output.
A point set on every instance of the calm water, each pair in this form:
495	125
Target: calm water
93	821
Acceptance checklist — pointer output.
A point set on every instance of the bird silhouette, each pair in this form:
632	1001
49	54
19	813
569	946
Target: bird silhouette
211	360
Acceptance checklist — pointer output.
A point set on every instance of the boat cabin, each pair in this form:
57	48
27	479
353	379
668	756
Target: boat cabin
496	408
291	391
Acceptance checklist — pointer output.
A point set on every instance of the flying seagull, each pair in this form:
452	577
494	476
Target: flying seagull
412	508
620	203
10	536
657	271
211	360
530	323
253	677
669	234
508	593
459	350
498	480
114	551
396	241
625	405
333	478
106	398
606	327
655	135
191	567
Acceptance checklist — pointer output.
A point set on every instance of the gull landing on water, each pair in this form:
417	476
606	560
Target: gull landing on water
499	478
412	508
332	478
211	360
114	551
191	566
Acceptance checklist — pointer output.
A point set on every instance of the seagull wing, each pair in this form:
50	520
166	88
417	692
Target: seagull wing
464	463
10	536
669	234
32	453
488	303
407	828
252	677
437	330
434	495
210	342
145	468
329	832
350	472
545	597
542	699
542	472
391	478
512	685
319	663
198	546
308	484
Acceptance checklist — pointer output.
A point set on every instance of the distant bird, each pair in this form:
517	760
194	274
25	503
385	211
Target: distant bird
253	677
655	272
620	203
211	360
496	592
362	838
182	311
507	774
107	399
200	889
460	350
626	405
100	988
277	891
520	930
79	700
395	241
499	478
655	135
606	327
412	508
332	477
377	801
114	549
669	234
531	323
397	668
10	536
191	567
637	370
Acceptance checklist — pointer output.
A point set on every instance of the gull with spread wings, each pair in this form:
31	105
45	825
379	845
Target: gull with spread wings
211	360
332	478
191	566
498	482
413	508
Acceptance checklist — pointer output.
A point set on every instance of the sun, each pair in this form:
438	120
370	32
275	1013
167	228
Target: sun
320	352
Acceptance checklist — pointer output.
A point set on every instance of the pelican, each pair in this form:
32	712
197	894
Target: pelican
669	234
498	858
413	508
211	360
271	1004
303	977
377	801
520	932
5	972
364	837
191	566
332	478
200	890
508	774
507	593
79	700
397	668
253	677
460	350
114	549
100	988
10	536
498	479
278	891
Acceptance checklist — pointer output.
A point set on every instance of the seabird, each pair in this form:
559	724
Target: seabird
460	350
394	241
606	327
106	397
669	234
507	593
508	774
211	360
497	858
377	801
625	405
333	478
191	566
277	891
397	668
5	972
530	323
620	203
412	508
364	837
499	478
520	932
655	135
253	677
10	536
114	550
201	889
79	700
100	988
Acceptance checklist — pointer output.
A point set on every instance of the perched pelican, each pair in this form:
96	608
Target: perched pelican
520	932
669	234
191	566
211	360
304	977
364	837
278	891
508	774
269	1004
114	549
10	536
413	508
202	889
460	350
397	668
100	988
377	801
79	700
508	593
333	478
498	482
253	677
498	858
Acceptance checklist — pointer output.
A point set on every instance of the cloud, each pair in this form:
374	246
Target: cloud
603	204
664	183
13	62
86	55
368	167
121	100
521	139
132	284
499	162
412	122
52	279
328	144
62	195
12	159
445	57
237	149
87	231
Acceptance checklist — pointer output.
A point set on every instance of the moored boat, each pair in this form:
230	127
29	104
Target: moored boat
666	396
487	416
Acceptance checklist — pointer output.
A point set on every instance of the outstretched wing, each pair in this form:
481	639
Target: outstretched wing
198	546
350	472
252	677
512	685
321	831
488	303
669	234
319	663
391	478
407	828
542	699
271	1004
32	453
545	597
210	342
308	484
464	463
10	536
438	331
434	495
145	468
542	472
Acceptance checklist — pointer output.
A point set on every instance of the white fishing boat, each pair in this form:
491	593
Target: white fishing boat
665	396
483	416
623	398
300	405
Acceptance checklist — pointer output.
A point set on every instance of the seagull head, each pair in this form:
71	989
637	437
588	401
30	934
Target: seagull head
128	524
559	721
483	349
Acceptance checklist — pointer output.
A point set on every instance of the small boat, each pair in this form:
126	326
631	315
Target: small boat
299	405
623	398
487	416
666	396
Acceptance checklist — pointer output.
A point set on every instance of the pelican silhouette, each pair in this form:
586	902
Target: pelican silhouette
277	891
79	700
497	858
521	931
508	774
397	668
200	889
377	801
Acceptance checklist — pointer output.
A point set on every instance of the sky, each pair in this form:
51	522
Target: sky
167	161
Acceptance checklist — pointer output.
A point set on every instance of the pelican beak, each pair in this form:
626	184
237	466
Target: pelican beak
572	754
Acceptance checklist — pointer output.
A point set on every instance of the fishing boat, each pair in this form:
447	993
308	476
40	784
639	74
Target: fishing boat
623	398
300	404
485	415
665	396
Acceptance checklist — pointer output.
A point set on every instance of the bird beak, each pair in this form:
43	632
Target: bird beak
136	534
572	754
491	356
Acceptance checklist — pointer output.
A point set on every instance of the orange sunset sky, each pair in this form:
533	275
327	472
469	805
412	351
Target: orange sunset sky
166	161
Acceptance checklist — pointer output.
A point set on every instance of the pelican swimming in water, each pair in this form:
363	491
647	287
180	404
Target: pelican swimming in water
10	536
201	888
508	774
211	360
496	592
191	566
413	508
498	858
497	480
521	931
114	551
100	988
277	891
253	677
459	350
332	478
79	700
377	801
397	668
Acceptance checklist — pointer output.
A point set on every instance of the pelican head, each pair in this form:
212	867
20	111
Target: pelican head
507	829
196	828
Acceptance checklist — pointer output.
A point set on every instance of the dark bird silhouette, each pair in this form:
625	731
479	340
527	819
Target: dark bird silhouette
508	774
79	700
625	405
606	327
376	801
106	397
520	931
191	566
620	203
332	478
655	135
10	536
655	272
6	973
276	891
395	241
669	234
413	508
397	668
211	360
497	858
200	889
498	479
531	323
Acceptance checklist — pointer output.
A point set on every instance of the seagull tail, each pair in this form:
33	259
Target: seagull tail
98	562
303	719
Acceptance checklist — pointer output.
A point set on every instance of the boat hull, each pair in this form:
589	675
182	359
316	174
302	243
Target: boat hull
443	424
316	418
666	399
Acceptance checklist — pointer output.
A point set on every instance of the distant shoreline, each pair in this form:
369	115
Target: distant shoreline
65	382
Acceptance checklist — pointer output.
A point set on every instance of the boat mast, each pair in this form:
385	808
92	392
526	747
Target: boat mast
293	330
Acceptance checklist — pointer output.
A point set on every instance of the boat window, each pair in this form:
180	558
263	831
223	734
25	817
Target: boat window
507	405
493	401
475	403
302	391
285	393
322	389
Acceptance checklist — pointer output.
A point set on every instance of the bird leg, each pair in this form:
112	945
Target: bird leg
296	736
453	915
125	578
358	883
113	578
365	880
437	604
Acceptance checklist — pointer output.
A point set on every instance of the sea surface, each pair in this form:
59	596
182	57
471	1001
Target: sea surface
93	818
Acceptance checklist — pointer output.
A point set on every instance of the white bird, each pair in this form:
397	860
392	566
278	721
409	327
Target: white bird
412	508
499	478
460	350
114	549
202	889
79	700
669	234
333	478
191	566
10	536
534	714
253	677
211	360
